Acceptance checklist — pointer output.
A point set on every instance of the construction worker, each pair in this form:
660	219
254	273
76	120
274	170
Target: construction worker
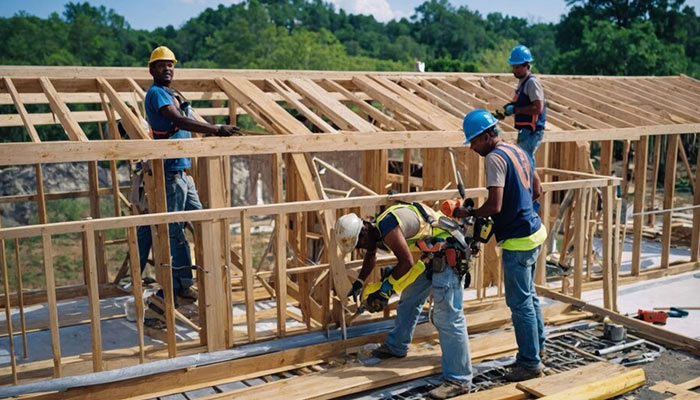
398	229
528	104
512	186
169	118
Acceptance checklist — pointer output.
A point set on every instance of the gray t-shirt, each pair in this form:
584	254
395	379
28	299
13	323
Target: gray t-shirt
495	171
533	89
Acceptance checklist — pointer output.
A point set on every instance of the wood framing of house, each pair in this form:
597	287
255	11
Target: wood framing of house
298	113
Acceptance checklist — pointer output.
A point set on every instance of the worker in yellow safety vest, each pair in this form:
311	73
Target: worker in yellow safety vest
399	230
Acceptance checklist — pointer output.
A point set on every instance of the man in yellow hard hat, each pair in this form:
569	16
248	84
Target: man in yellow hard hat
169	118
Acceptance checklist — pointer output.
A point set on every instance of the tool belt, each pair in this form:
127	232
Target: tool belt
442	253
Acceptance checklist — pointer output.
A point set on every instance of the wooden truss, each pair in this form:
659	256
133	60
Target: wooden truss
300	112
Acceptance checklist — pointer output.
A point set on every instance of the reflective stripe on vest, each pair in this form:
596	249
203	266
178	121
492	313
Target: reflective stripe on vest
424	230
517	218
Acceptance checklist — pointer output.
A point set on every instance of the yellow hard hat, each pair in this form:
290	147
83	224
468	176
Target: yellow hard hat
162	53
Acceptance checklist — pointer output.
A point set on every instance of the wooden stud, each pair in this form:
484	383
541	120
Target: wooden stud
95	213
695	237
618	246
686	164
608	196
579	240
640	186
136	286
281	273
52	304
669	192
8	312
93	298
655	177
20	298
155	187
247	259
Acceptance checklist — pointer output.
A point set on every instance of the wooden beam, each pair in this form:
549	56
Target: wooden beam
33	135
364	106
29	153
73	130
273	209
290	98
130	121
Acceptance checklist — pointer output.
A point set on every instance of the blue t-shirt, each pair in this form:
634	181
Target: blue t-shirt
158	97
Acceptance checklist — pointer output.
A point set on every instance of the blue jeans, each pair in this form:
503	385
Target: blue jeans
181	195
529	141
448	318
519	274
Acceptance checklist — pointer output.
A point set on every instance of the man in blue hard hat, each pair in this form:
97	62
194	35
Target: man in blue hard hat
528	105
512	185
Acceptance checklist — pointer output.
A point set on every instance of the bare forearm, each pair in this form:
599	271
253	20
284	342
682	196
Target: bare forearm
193	125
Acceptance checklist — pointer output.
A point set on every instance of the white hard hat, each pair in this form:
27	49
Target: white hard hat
347	230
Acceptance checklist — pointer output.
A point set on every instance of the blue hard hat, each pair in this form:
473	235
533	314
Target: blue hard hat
520	55
476	122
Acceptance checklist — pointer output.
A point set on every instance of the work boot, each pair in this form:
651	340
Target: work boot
382	352
450	389
189	294
543	357
520	373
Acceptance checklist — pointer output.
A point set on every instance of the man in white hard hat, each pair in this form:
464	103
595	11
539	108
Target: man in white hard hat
398	229
168	117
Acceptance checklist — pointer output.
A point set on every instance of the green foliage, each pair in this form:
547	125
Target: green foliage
595	37
636	51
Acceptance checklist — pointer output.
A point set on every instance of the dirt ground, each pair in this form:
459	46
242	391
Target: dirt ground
673	366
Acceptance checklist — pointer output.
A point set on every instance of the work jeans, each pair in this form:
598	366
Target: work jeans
448	318
529	141
181	195
519	274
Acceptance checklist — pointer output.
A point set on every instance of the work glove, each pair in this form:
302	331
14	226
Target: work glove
228	130
378	300
356	289
509	109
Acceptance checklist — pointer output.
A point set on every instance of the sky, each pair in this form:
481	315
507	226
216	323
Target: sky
148	14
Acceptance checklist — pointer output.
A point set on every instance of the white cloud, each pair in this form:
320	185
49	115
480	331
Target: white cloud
380	9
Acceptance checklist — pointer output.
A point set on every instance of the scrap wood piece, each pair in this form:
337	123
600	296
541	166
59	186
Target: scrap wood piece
603	389
681	391
553	384
348	379
506	392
